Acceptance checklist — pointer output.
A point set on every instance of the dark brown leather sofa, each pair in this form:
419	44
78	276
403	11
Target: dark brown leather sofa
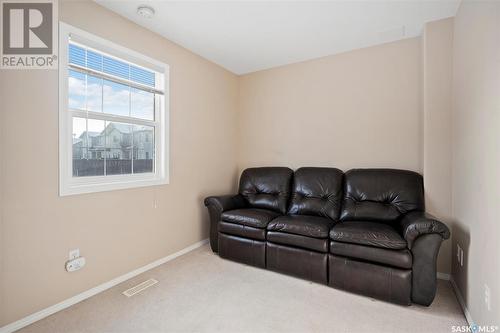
364	231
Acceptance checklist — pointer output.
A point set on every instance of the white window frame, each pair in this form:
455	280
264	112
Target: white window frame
69	185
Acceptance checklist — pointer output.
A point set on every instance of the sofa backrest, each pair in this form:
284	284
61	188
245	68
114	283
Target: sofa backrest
267	187
381	194
317	191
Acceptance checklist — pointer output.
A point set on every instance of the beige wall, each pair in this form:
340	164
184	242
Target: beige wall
116	231
476	155
437	48
356	109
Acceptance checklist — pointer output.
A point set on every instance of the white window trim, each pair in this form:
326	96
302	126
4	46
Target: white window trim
69	185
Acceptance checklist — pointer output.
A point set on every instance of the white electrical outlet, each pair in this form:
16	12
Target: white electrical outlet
460	255
73	254
487	297
75	262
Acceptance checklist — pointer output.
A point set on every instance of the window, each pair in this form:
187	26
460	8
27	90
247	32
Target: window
113	116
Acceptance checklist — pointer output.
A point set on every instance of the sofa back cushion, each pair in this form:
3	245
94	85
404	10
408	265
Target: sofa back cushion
381	194
317	191
267	188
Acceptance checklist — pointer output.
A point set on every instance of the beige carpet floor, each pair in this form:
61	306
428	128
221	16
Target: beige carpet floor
199	292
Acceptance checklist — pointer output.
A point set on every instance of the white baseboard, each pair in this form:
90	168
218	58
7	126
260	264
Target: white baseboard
460	298
461	301
91	292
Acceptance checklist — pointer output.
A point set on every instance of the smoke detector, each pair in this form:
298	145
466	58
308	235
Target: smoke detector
145	11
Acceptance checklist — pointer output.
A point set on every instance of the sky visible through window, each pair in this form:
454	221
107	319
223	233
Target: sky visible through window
91	93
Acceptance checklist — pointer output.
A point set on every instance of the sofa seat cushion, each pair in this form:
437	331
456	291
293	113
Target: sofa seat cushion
368	233
305	225
252	217
397	258
315	244
242	230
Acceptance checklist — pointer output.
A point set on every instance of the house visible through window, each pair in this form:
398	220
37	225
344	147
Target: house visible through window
113	104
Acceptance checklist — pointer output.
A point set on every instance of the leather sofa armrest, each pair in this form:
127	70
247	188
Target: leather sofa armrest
424	234
225	202
417	223
216	206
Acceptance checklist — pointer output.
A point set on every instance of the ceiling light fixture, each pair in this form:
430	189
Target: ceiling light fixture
145	11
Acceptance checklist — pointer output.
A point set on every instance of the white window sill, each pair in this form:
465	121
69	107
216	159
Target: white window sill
85	185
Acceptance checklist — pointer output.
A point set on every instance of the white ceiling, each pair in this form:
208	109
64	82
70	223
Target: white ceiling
247	36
